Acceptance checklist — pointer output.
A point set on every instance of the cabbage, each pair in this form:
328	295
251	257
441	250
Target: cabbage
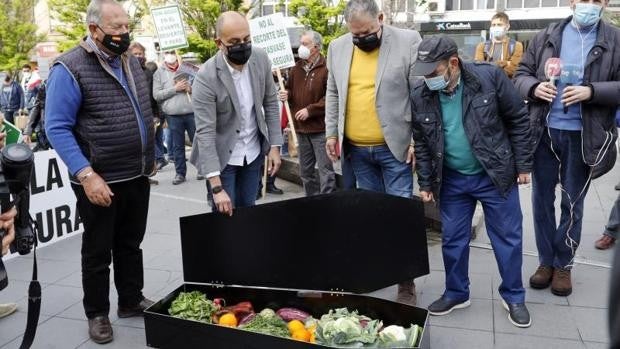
392	334
343	328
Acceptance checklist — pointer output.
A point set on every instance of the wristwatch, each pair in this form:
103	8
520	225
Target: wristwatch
217	189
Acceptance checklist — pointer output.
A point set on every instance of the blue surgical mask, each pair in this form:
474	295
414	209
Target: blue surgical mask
586	15
497	32
436	83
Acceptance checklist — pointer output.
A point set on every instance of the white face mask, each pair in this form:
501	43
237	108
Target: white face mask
304	52
27	74
170	58
497	32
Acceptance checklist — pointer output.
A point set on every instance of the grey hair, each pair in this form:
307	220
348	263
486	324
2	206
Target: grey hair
316	38
93	11
355	8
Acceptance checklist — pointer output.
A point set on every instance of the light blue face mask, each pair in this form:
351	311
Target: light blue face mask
436	83
586	15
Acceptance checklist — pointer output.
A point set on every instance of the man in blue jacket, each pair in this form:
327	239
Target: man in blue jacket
99	120
471	133
11	99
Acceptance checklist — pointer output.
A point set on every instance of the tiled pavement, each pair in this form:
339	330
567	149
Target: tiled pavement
577	321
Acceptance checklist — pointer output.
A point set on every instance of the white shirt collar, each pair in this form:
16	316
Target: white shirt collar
231	69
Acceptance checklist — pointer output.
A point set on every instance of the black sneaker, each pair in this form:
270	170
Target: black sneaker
444	306
518	314
272	189
161	164
178	179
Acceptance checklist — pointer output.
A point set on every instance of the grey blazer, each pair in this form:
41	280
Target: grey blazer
397	55
216	109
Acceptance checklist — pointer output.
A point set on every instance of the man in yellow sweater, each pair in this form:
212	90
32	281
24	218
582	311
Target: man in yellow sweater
367	108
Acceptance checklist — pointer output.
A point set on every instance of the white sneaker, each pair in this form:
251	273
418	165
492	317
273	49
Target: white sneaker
7	309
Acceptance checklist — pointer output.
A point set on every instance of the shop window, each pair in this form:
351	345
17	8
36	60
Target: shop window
549	3
267	10
467	4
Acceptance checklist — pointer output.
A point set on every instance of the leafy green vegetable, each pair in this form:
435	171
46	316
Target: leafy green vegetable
349	329
267	323
193	306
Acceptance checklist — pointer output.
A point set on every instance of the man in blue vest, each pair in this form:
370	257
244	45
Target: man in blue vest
99	120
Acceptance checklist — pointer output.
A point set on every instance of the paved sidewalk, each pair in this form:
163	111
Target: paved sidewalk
577	321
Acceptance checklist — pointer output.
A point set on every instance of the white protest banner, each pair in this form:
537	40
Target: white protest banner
52	202
269	33
170	28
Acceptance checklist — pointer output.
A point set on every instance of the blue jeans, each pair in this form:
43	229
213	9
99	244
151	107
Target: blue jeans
348	177
159	144
241	182
613	224
377	169
503	220
178	124
552	240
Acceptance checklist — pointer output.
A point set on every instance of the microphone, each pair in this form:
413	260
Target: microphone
553	69
571	75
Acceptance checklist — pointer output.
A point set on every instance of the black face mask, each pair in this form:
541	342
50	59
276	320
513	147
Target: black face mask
142	61
239	53
117	44
368	42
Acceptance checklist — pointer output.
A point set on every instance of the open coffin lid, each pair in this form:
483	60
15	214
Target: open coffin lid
351	241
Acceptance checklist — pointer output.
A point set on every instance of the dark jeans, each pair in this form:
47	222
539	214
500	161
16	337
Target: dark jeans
554	241
503	220
348	177
241	182
9	115
312	151
160	150
613	224
178	124
113	234
377	169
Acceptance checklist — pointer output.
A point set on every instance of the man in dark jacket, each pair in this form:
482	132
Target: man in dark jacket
471	134
139	52
307	85
99	120
573	129
11	99
36	122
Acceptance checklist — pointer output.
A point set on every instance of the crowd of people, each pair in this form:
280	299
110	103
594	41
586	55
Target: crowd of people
384	102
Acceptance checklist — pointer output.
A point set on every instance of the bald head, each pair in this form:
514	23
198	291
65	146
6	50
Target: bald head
230	20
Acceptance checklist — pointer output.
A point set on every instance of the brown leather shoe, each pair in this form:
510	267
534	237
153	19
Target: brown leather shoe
604	242
406	293
561	285
100	329
542	277
137	310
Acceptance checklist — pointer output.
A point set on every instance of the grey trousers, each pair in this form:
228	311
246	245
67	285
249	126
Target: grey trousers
613	224
311	151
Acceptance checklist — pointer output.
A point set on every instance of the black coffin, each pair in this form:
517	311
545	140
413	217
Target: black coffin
344	244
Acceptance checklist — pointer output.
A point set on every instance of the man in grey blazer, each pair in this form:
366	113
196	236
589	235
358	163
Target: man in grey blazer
237	116
368	111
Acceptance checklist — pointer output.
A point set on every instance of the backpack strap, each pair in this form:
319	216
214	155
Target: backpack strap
511	46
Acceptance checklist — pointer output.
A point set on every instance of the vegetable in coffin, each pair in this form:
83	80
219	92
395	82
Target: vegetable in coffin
193	306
